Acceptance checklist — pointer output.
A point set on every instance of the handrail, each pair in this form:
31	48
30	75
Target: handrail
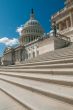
63	37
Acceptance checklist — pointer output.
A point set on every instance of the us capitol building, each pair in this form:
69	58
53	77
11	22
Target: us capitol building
42	75
34	41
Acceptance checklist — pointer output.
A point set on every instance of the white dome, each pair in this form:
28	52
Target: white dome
31	30
32	25
31	22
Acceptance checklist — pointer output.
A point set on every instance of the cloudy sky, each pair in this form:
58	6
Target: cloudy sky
14	13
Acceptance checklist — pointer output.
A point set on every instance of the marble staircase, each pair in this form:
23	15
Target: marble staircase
44	83
64	53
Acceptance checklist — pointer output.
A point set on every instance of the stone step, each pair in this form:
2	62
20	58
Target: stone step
50	78
62	92
42	83
46	71
60	61
33	99
63	65
62	53
53	53
8	103
49	59
69	60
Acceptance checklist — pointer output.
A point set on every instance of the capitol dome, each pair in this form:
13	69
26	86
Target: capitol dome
31	31
31	22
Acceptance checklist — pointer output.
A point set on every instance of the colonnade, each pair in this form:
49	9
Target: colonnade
28	39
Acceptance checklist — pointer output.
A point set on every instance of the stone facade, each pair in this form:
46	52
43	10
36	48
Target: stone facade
64	19
8	56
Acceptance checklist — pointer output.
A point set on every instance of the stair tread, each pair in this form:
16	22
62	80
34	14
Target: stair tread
7	103
66	78
60	90
33	100
51	70
70	65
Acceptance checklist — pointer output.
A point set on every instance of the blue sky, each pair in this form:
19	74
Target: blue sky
14	13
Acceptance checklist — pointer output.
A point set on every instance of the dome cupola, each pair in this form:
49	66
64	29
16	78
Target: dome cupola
31	30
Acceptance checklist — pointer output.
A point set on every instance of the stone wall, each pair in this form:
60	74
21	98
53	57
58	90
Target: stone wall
59	43
46	45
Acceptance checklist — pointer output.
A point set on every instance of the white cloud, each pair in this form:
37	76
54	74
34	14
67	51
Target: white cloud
19	29
9	42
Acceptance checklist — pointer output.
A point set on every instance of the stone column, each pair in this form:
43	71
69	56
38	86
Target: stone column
67	23
22	40
60	26
26	39
33	37
36	50
20	54
30	38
